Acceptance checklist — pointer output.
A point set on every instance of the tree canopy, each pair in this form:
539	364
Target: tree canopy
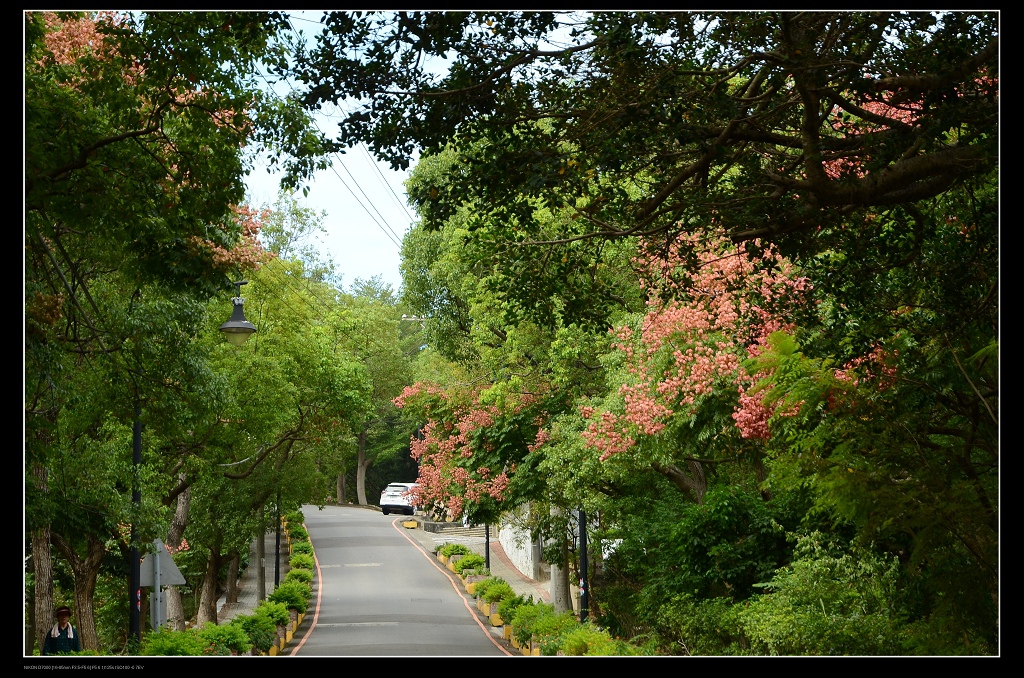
766	123
727	281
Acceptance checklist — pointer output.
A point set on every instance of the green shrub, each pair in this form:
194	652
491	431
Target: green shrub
833	599
302	561
260	628
507	607
295	517
224	640
293	594
498	592
481	586
587	639
275	611
298	533
702	627
450	549
167	643
470	561
526	618
550	629
299	574
303	547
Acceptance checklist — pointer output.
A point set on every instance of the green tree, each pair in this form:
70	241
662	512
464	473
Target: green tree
857	148
374	334
766	123
135	149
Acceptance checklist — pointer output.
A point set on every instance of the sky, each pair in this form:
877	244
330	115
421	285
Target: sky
364	201
365	218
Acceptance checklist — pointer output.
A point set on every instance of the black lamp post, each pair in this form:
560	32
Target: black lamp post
135	576
237	329
584	581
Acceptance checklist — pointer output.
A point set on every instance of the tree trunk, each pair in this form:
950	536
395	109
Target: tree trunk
42	565
42	606
693	485
342	488
761	473
29	637
559	585
175	606
208	597
232	589
362	464
86	570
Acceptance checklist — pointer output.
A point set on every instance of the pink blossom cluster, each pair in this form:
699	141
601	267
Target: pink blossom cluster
906	114
410	392
700	324
877	366
445	447
608	435
751	416
542	437
69	39
248	252
183	546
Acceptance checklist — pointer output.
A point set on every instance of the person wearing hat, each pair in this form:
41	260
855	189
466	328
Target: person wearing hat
62	638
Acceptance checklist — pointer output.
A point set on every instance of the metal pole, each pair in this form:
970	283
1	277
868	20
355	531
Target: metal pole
584	584
487	545
135	577
277	544
261	557
156	602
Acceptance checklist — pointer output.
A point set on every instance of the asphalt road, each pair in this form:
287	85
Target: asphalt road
377	592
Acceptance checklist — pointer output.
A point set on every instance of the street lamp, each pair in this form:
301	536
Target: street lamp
237	329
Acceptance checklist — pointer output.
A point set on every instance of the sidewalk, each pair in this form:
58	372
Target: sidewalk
501	566
248	583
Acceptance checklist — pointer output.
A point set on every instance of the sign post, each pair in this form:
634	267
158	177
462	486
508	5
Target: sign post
158	570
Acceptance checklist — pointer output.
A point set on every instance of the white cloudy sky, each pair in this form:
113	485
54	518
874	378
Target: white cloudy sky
364	201
365	213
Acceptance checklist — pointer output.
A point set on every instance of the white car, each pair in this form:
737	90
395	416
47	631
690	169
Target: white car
395	498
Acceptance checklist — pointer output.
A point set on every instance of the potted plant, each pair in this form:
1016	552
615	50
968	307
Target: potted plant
295	596
549	630
278	614
480	589
226	639
471	561
260	628
303	547
506	611
525	621
447	550
495	594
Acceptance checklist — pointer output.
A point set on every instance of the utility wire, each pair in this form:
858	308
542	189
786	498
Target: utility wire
385	231
384	181
385	226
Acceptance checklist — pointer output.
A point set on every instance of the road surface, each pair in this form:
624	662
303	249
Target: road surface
381	594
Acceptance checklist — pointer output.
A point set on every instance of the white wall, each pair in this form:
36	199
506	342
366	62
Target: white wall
515	541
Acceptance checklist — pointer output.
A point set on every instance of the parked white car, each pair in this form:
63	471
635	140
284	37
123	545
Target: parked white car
395	498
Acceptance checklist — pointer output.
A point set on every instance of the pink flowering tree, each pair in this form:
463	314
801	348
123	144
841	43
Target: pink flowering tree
680	398
469	451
